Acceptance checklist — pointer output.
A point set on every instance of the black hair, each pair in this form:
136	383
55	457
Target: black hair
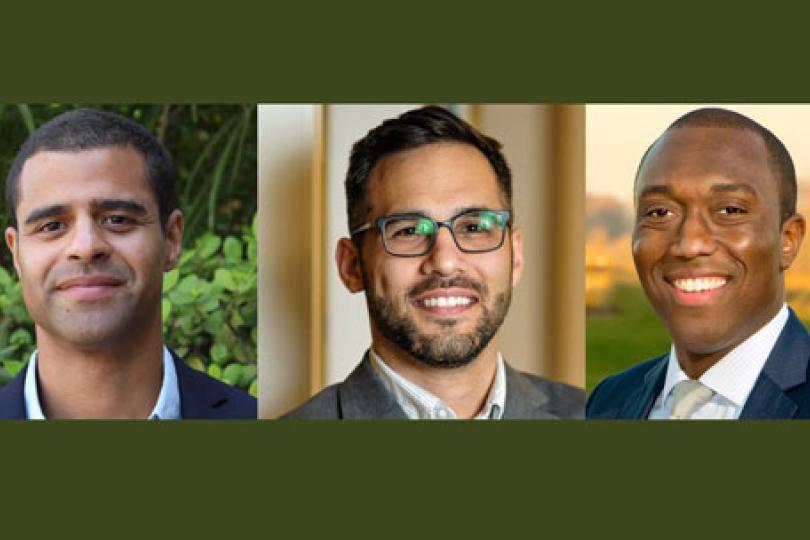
779	159
87	129
413	129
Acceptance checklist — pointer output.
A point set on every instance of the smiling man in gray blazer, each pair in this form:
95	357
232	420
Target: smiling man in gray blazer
436	298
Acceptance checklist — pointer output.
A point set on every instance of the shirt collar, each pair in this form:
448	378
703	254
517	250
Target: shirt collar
734	375
420	404
167	406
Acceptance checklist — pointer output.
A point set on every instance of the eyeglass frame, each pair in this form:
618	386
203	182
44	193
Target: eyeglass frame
381	222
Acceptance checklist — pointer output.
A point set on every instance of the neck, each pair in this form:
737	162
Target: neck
695	364
464	389
116	381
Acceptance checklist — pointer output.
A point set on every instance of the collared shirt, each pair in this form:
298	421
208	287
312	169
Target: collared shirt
419	404
731	379
167	406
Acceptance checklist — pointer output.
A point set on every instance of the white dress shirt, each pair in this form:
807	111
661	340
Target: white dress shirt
419	404
167	406
731	379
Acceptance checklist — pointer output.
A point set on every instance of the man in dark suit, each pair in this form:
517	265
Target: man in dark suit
94	224
436	298
716	227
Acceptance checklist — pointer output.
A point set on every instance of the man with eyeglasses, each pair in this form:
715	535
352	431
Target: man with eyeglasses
434	247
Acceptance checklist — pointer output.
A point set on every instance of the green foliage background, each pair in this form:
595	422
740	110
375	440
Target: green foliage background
209	306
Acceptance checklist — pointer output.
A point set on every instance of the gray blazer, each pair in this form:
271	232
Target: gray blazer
364	396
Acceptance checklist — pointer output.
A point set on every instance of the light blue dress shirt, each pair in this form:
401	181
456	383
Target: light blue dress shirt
167	406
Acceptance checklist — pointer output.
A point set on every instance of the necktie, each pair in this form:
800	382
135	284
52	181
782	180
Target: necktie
688	396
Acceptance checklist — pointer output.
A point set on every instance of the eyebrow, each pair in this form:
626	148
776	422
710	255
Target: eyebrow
726	188
46	212
454	212
716	188
105	205
100	205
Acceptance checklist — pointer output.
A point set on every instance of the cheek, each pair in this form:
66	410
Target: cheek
36	259
391	276
497	270
646	248
142	253
755	249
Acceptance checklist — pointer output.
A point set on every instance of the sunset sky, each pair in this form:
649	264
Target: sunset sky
618	135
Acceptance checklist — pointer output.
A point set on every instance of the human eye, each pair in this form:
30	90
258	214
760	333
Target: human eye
732	210
479	222
118	222
404	228
51	227
658	213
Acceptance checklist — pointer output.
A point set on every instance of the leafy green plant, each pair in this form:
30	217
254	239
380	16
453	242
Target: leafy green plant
209	307
16	328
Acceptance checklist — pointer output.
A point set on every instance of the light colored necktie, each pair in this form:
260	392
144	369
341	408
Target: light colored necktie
688	396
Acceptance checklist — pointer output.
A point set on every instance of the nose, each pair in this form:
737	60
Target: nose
87	242
445	258
694	237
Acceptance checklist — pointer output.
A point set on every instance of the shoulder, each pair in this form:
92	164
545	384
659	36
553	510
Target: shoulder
612	391
203	397
12	400
553	398
324	405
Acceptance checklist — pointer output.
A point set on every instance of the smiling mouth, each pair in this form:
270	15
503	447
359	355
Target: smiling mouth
89	288
697	285
697	291
445	302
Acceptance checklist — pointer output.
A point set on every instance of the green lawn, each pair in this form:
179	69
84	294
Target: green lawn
627	335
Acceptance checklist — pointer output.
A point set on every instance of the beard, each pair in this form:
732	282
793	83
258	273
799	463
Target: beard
447	348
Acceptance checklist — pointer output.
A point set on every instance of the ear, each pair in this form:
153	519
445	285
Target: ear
13	246
174	239
791	239
347	257
516	237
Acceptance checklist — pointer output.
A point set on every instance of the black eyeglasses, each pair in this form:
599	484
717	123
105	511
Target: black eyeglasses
413	235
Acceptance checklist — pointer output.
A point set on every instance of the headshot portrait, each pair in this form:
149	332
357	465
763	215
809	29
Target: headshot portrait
421	255
117	283
714	236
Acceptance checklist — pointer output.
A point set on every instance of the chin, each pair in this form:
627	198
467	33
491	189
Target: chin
701	341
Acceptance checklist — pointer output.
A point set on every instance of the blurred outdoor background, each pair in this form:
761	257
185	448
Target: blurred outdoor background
209	306
621	328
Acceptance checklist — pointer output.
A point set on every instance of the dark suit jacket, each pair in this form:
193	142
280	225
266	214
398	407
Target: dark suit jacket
363	395
201	397
780	391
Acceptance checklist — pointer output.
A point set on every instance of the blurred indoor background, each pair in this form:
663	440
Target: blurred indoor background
313	332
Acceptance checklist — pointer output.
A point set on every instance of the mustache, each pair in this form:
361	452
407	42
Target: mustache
436	282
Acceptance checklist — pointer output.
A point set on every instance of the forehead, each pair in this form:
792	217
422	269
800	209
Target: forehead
436	179
72	177
688	157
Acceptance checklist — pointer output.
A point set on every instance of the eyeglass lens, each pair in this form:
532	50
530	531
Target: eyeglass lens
473	231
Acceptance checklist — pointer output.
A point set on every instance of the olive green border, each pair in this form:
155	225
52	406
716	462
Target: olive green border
419	51
414	480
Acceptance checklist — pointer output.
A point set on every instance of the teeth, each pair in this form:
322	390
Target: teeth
700	284
447	301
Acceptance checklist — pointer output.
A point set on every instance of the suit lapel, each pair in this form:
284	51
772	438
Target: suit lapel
640	402
364	396
199	397
12	401
523	399
785	369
